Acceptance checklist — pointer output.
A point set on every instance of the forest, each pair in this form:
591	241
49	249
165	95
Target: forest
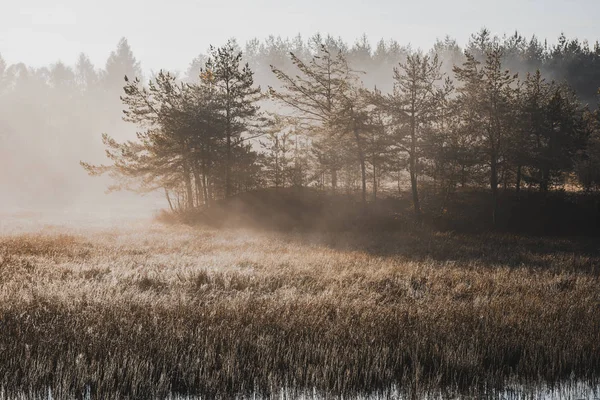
504	114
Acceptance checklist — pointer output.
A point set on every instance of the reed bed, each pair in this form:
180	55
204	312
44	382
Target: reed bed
152	311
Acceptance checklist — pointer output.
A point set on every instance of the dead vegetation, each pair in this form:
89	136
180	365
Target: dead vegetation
134	313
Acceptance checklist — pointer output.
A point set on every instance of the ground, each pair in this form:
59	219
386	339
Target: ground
138	309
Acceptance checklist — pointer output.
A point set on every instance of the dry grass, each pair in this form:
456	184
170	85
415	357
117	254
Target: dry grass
149	311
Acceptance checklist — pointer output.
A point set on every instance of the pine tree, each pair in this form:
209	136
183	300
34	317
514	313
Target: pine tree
486	98
480	44
120	63
442	140
314	97
161	158
378	145
532	122
238	99
192	75
85	73
587	165
549	130
62	77
277	146
412	107
353	119
564	137
3	75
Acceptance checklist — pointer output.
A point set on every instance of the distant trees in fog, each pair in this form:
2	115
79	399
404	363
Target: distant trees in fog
51	117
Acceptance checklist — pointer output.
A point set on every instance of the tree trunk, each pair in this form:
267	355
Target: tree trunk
494	187
333	179
363	167
228	132
413	164
363	171
197	185
228	167
188	184
276	163
414	188
169	200
399	186
205	191
374	182
210	186
205	184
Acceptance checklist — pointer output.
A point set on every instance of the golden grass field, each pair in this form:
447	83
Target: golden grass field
143	310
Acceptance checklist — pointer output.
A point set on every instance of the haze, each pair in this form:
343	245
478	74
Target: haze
170	34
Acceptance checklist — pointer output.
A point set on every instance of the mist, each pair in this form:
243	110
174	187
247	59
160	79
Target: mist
50	119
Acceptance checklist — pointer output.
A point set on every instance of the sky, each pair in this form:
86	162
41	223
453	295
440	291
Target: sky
169	34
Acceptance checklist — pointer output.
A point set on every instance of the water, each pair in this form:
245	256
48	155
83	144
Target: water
572	390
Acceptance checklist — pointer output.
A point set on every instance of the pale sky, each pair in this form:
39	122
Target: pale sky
169	34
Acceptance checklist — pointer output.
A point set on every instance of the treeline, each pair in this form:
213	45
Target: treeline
483	126
503	113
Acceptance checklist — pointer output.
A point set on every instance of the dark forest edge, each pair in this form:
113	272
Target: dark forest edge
557	213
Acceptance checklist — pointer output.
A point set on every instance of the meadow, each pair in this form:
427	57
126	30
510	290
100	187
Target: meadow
149	310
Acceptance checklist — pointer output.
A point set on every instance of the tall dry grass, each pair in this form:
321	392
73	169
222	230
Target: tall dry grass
140	313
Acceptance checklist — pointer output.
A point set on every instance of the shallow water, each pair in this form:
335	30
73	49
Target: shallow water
566	391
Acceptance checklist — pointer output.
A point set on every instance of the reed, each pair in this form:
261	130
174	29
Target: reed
164	310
